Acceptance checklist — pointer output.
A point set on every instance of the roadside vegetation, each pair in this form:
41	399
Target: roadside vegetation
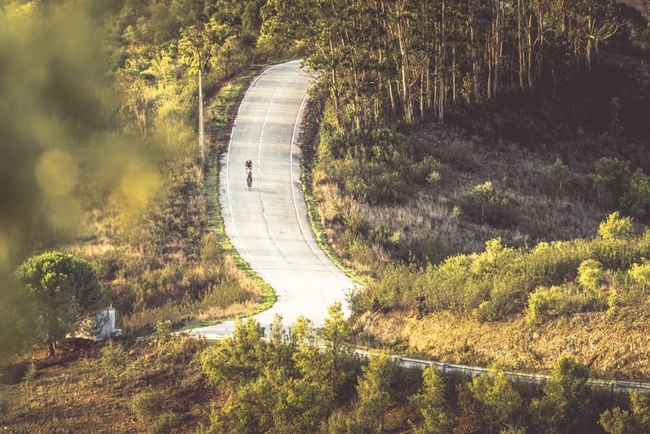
292	383
519	216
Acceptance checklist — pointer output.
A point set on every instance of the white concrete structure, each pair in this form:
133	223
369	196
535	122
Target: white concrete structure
106	322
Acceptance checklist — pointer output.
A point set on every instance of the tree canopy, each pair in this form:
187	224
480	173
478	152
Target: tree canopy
414	59
62	296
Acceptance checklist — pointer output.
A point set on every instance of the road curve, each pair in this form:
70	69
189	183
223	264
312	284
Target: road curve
268	223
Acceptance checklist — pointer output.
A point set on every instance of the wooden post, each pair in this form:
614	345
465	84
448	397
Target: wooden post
201	134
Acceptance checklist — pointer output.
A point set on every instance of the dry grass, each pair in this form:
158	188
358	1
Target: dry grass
90	251
615	349
232	311
78	395
148	317
430	226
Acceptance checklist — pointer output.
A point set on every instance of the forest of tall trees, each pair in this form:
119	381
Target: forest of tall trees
413	59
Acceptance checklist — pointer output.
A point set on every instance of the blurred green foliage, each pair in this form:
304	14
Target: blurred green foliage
99	154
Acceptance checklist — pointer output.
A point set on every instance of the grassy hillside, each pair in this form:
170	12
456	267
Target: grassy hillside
144	386
479	237
287	384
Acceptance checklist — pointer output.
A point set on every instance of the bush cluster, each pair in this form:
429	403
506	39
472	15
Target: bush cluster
550	279
375	166
610	183
301	381
486	203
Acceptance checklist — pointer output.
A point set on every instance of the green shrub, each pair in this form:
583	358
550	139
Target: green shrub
546	303
342	421
613	304
147	405
499	400
613	170
457	154
506	297
373	182
426	171
590	274
485	204
393	286
636	198
620	421
616	228
640	273
164	424
376	166
113	360
609	179
567	402
434	178
560	174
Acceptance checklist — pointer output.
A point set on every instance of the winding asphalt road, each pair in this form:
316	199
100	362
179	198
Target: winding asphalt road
268	223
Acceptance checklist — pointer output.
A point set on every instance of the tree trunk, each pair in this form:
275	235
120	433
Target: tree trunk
591	25
404	68
540	36
472	55
530	50
454	74
520	44
335	84
443	53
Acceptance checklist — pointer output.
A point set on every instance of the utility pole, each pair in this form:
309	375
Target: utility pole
201	129
193	47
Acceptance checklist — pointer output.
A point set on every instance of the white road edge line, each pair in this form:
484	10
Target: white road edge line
295	200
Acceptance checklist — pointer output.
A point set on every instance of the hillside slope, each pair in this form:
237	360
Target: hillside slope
613	349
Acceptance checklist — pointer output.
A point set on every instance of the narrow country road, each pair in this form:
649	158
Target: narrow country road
268	223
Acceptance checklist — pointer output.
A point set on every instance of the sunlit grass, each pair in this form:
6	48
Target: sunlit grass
85	393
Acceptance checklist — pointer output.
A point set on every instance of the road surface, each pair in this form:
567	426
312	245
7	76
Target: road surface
268	223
